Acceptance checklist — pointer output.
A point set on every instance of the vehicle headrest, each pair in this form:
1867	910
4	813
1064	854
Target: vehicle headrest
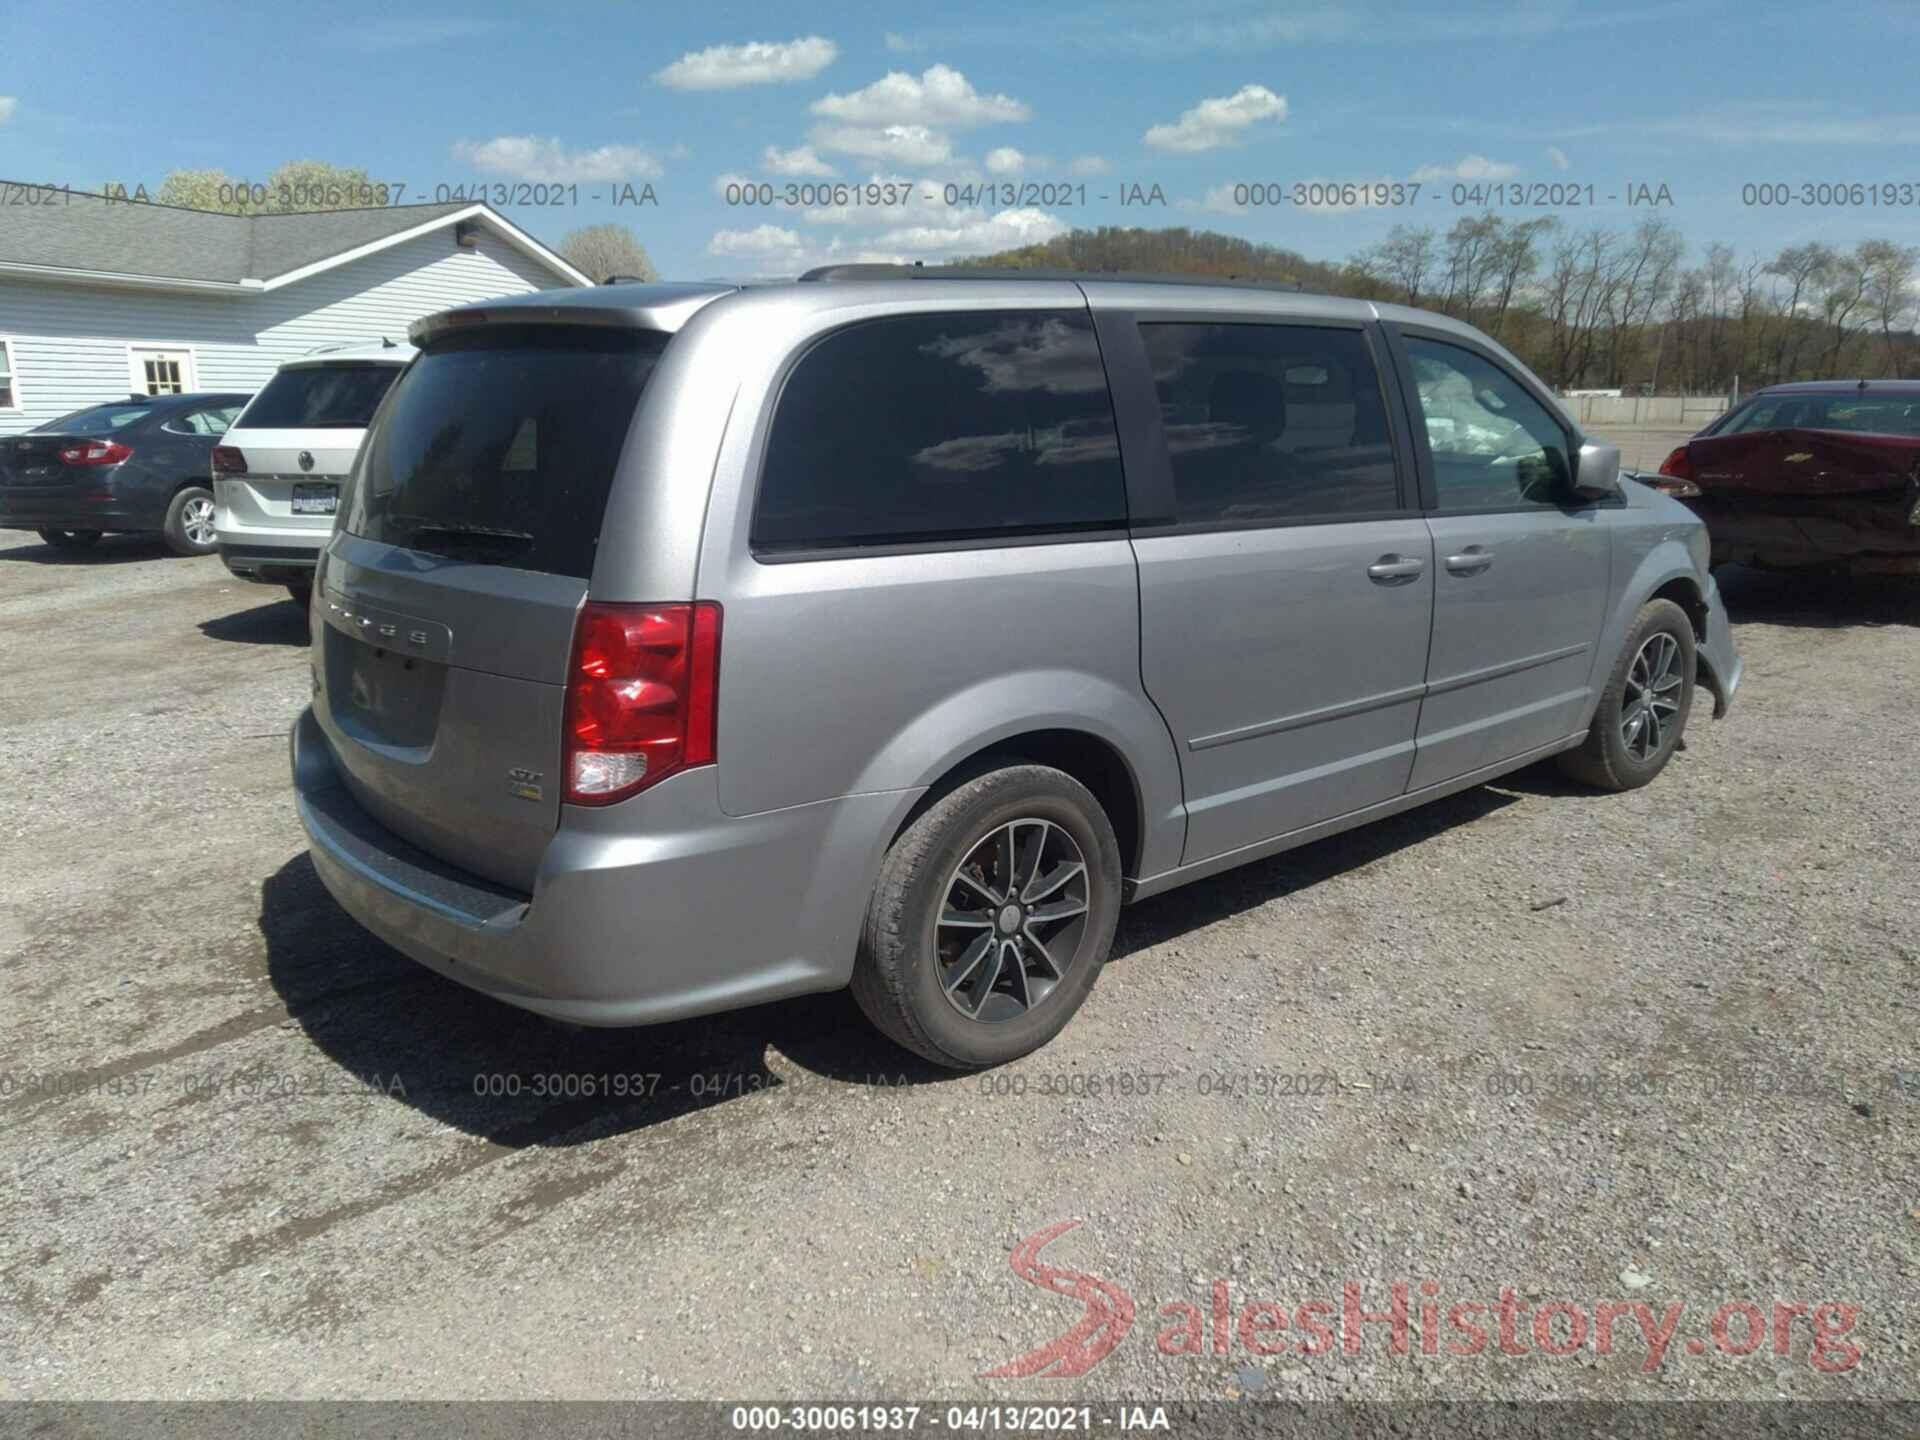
1248	398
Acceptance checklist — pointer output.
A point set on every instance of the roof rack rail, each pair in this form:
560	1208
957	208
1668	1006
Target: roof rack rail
918	271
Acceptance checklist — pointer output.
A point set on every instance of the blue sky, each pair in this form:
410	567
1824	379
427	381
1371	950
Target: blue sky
1194	97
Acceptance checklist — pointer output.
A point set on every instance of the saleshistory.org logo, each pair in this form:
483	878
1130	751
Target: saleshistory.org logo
1412	1314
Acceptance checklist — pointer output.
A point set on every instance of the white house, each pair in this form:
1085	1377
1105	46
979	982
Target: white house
103	297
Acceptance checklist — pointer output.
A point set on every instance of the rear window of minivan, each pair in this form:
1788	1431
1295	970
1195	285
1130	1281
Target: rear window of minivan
321	397
499	445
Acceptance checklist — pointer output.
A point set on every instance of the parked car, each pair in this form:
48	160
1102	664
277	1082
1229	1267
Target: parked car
683	647
1821	474
277	475
138	464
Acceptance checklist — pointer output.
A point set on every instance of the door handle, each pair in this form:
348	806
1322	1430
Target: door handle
1390	569
1471	561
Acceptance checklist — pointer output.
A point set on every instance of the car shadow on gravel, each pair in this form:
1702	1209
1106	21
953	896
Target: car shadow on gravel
1205	902
110	550
1818	600
517	1080
278	622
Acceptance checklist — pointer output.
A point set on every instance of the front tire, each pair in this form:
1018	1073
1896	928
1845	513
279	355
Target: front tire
1643	711
71	539
992	916
189	523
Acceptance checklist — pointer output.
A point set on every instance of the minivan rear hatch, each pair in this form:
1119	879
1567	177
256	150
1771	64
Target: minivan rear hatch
447	601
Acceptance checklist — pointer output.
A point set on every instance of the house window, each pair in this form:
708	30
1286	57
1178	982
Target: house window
153	370
9	387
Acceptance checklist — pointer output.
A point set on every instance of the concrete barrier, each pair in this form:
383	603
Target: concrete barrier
1676	412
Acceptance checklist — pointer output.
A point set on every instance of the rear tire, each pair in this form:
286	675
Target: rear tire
1643	711
71	539
189	524
302	595
1037	905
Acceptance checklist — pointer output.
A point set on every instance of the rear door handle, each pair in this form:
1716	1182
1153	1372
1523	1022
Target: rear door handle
1471	561
1391	569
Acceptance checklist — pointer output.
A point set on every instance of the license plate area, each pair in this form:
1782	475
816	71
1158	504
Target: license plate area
380	696
316	499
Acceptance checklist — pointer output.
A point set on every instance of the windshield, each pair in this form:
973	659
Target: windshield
499	446
96	420
320	397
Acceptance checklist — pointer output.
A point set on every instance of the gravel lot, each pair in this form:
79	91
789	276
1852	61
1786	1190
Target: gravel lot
245	1155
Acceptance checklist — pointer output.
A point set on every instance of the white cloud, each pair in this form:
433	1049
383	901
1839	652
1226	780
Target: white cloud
529	157
941	96
1468	167
8	104
1006	161
728	67
899	144
799	161
1558	157
904	44
721	183
763	241
1219	201
1090	165
1219	122
977	236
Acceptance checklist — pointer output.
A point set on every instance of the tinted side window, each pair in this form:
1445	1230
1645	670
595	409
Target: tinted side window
1494	446
214	421
942	427
1271	422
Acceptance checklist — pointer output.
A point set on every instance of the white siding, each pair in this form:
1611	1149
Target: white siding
69	342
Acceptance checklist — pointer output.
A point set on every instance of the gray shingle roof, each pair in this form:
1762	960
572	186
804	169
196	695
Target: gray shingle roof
130	237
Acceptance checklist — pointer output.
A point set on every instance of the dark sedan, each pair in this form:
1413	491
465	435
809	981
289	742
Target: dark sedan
143	464
1819	474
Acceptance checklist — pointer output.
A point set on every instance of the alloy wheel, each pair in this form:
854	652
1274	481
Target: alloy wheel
196	520
1650	708
1012	918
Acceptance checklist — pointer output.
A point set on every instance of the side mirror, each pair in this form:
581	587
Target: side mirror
1596	471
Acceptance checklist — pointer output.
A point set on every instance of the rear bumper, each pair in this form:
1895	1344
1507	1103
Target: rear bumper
30	508
271	564
655	909
1720	663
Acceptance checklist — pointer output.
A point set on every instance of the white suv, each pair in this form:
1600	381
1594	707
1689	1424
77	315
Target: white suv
277	473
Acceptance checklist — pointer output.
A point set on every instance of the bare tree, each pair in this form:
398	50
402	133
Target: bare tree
607	250
1403	260
1889	270
1846	289
1803	268
1516	260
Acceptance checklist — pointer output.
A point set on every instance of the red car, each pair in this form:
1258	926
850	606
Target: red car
1825	473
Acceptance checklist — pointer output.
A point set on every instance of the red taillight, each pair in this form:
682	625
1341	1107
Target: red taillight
229	460
640	697
1679	464
95	452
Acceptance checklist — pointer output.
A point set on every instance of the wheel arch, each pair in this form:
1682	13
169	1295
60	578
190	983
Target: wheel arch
1096	762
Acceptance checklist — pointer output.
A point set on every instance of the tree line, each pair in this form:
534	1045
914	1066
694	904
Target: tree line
1586	307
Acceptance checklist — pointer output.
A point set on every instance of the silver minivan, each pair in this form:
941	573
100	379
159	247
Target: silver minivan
682	647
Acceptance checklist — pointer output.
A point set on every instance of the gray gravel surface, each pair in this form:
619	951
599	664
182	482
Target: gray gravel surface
244	1154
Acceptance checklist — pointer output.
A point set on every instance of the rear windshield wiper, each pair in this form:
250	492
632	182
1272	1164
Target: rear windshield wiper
480	537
